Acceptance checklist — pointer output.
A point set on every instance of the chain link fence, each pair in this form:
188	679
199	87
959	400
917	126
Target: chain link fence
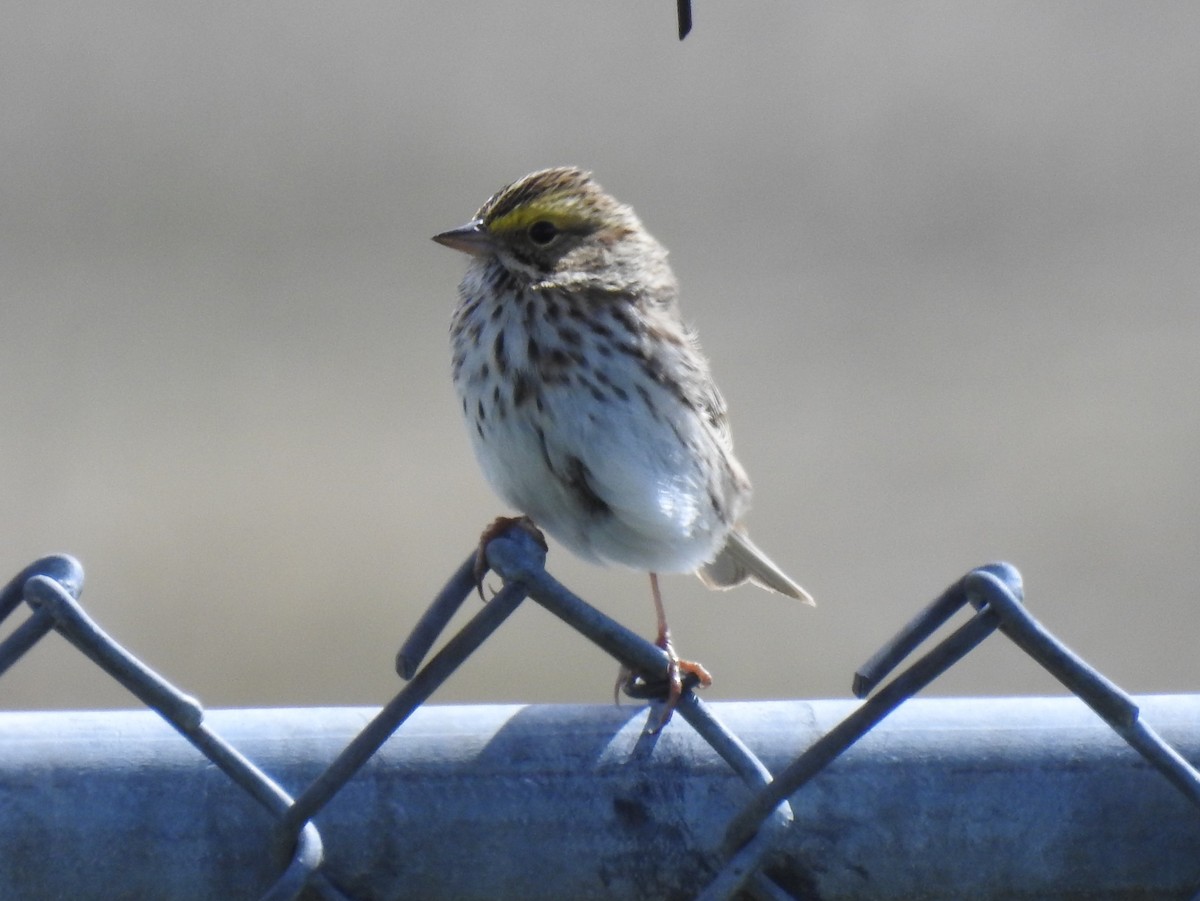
752	853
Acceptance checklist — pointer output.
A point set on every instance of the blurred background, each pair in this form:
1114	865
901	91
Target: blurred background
944	258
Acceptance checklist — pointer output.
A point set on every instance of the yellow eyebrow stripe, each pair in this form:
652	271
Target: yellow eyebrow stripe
564	213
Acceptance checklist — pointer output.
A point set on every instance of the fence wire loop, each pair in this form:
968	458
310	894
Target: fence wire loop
924	624
738	864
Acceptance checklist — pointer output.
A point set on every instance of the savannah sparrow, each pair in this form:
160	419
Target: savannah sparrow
588	401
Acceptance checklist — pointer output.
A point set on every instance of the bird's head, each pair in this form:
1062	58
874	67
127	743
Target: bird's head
557	226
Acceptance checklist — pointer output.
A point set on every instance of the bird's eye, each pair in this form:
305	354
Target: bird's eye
542	232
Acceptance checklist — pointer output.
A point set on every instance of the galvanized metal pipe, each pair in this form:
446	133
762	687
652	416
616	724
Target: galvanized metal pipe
957	798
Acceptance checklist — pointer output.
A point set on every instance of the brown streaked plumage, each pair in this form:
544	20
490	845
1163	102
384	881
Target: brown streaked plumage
588	401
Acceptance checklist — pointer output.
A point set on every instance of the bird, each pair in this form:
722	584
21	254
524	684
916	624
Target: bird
590	406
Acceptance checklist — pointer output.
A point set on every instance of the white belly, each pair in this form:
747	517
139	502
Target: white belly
656	514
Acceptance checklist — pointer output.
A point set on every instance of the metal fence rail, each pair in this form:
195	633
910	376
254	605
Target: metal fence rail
958	798
945	799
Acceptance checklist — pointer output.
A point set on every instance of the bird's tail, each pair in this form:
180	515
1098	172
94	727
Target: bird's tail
740	560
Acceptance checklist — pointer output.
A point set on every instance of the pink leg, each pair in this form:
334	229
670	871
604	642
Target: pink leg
676	668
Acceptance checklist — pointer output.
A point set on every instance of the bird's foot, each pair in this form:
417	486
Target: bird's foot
681	674
498	527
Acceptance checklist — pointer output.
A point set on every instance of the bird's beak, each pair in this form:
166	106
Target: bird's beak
471	238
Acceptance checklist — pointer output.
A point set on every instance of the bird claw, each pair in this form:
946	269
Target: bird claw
681	675
498	527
